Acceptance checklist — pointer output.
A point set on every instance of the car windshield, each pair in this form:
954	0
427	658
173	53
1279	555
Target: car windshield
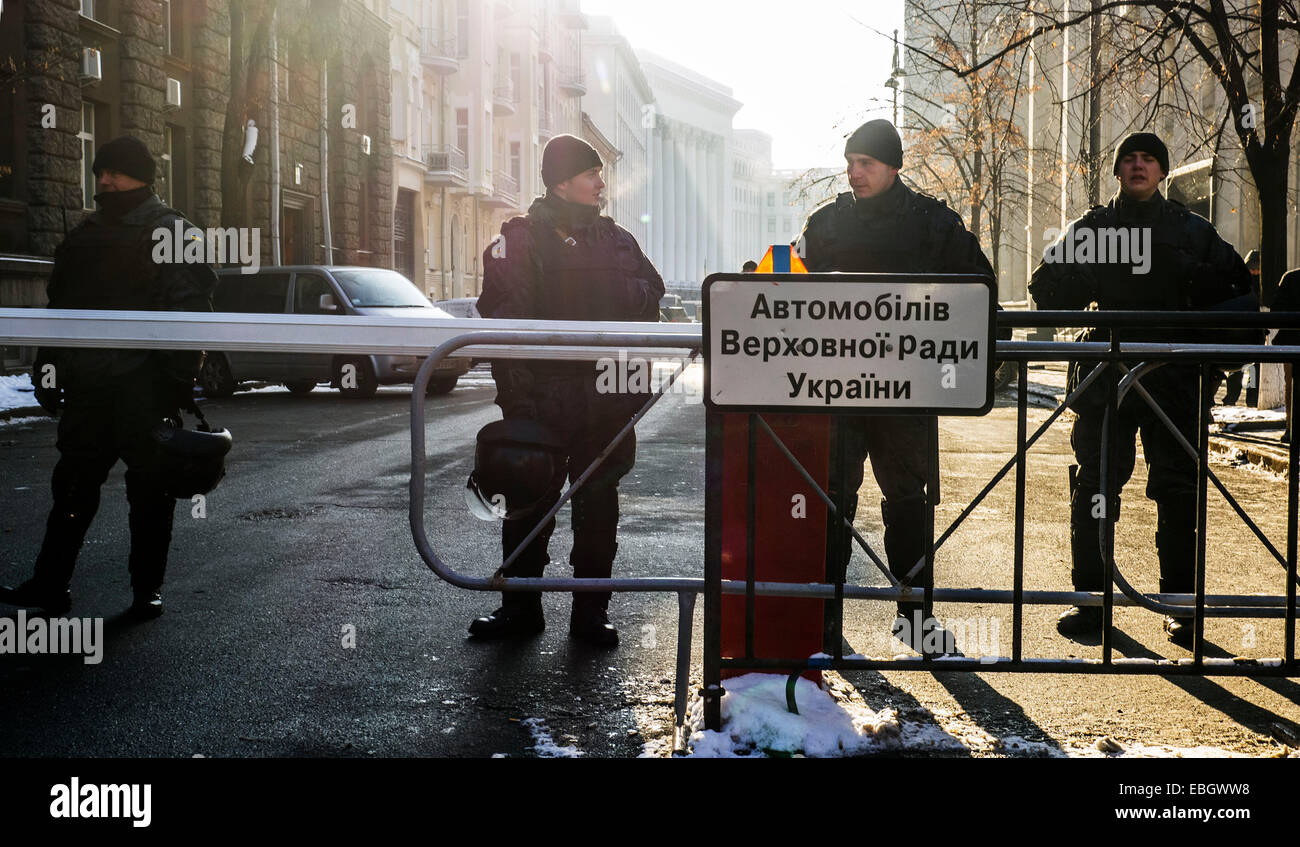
382	288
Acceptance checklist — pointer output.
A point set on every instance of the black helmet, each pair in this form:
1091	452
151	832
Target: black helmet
190	461
517	464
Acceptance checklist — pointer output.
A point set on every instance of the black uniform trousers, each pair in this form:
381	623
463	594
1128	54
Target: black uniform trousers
900	459
586	425
1171	478
102	422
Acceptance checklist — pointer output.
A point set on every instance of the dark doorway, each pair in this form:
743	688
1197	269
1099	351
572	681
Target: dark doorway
403	242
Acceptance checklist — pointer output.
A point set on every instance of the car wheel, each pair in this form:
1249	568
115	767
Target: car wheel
300	386
215	378
360	383
443	385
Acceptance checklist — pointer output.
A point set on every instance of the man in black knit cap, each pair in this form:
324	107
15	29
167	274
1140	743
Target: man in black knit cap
112	399
1176	261
881	225
566	261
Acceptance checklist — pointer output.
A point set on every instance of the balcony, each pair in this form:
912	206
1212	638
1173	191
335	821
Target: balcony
438	51
545	124
545	52
572	81
505	191
445	165
503	98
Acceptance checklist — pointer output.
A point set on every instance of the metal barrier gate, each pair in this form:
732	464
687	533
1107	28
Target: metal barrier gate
1113	354
351	335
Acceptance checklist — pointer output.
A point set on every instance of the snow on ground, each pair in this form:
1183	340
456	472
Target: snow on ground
1239	414
544	745
16	392
833	722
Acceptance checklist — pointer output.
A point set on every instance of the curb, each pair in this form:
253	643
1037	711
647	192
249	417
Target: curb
1253	454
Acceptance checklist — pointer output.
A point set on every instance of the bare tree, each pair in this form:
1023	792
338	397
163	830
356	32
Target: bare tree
1249	50
964	141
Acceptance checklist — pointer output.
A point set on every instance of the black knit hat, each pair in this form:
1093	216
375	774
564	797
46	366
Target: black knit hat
565	157
127	155
1146	142
879	140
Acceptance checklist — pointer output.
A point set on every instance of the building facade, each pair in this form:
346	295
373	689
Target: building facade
479	87
87	71
689	181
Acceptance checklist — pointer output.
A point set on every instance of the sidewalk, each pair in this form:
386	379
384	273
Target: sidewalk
1242	435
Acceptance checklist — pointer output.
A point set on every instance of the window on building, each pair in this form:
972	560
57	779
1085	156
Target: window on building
787	226
516	76
462	130
174	14
462	29
771	198
88	8
516	166
363	223
87	136
771	225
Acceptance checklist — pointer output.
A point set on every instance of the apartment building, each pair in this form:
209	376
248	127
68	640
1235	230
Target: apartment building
479	87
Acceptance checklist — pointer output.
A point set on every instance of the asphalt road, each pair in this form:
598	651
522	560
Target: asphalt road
301	621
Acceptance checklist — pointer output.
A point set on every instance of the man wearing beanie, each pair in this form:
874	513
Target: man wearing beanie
112	399
881	225
1184	265
566	261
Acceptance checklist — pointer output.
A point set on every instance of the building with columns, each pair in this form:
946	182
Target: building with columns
618	110
689	181
750	155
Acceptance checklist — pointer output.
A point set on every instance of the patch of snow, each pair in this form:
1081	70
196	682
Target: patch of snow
544	745
1238	414
756	722
833	721
16	391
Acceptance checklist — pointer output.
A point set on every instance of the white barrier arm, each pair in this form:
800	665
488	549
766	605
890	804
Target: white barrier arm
344	334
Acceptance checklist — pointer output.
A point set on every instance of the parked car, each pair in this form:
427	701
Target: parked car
321	290
462	307
672	310
459	307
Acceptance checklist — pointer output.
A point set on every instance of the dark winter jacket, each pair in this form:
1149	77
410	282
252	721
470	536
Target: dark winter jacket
900	230
1189	268
593	273
106	264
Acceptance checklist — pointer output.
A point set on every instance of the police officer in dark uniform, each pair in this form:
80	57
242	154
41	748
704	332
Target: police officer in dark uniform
883	226
566	261
112	399
1189	267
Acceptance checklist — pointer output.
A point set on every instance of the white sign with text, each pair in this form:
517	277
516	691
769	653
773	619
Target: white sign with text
850	343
